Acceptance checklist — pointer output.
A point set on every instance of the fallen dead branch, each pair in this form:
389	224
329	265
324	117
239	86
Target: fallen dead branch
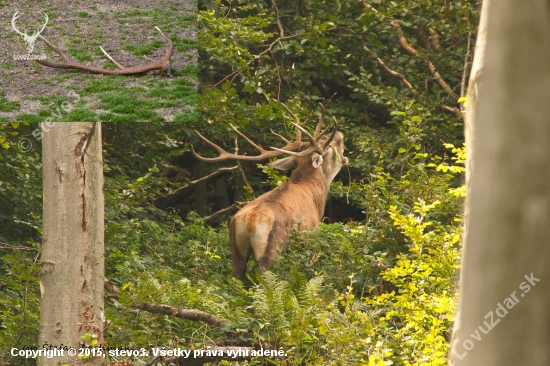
187	314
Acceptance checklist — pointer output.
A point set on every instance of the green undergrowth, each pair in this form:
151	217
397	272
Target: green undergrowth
378	292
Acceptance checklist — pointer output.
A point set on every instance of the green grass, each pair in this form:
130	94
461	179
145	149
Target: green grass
103	84
30	117
121	98
186	117
8	106
80	115
144	49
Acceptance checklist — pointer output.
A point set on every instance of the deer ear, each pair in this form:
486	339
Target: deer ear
316	160
283	164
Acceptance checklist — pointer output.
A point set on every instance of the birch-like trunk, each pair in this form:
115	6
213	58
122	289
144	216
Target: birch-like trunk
504	303
72	262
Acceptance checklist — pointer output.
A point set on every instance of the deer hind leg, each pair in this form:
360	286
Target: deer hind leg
241	249
264	263
239	262
262	245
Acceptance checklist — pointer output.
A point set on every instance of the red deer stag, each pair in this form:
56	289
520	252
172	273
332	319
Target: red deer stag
261	226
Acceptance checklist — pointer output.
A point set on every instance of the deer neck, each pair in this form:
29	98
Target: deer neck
315	182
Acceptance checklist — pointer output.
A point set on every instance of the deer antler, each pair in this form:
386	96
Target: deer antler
224	155
290	147
74	64
313	147
317	135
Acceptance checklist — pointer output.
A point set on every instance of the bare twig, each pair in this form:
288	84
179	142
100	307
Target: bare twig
279	77
171	199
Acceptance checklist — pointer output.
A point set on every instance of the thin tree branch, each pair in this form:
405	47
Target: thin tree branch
453	110
279	78
166	200
403	41
369	6
278	20
270	47
385	67
211	175
246	180
224	210
236	72
15	247
405	44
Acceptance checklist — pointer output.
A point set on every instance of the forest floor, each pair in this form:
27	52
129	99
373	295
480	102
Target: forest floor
126	30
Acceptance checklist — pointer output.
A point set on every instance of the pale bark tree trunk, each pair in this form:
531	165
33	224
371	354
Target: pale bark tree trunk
504	303
72	262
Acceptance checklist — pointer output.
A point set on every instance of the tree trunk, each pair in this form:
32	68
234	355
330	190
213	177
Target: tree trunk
221	189
504	303
201	204
72	262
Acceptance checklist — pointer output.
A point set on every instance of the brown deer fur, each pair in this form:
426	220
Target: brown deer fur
261	227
